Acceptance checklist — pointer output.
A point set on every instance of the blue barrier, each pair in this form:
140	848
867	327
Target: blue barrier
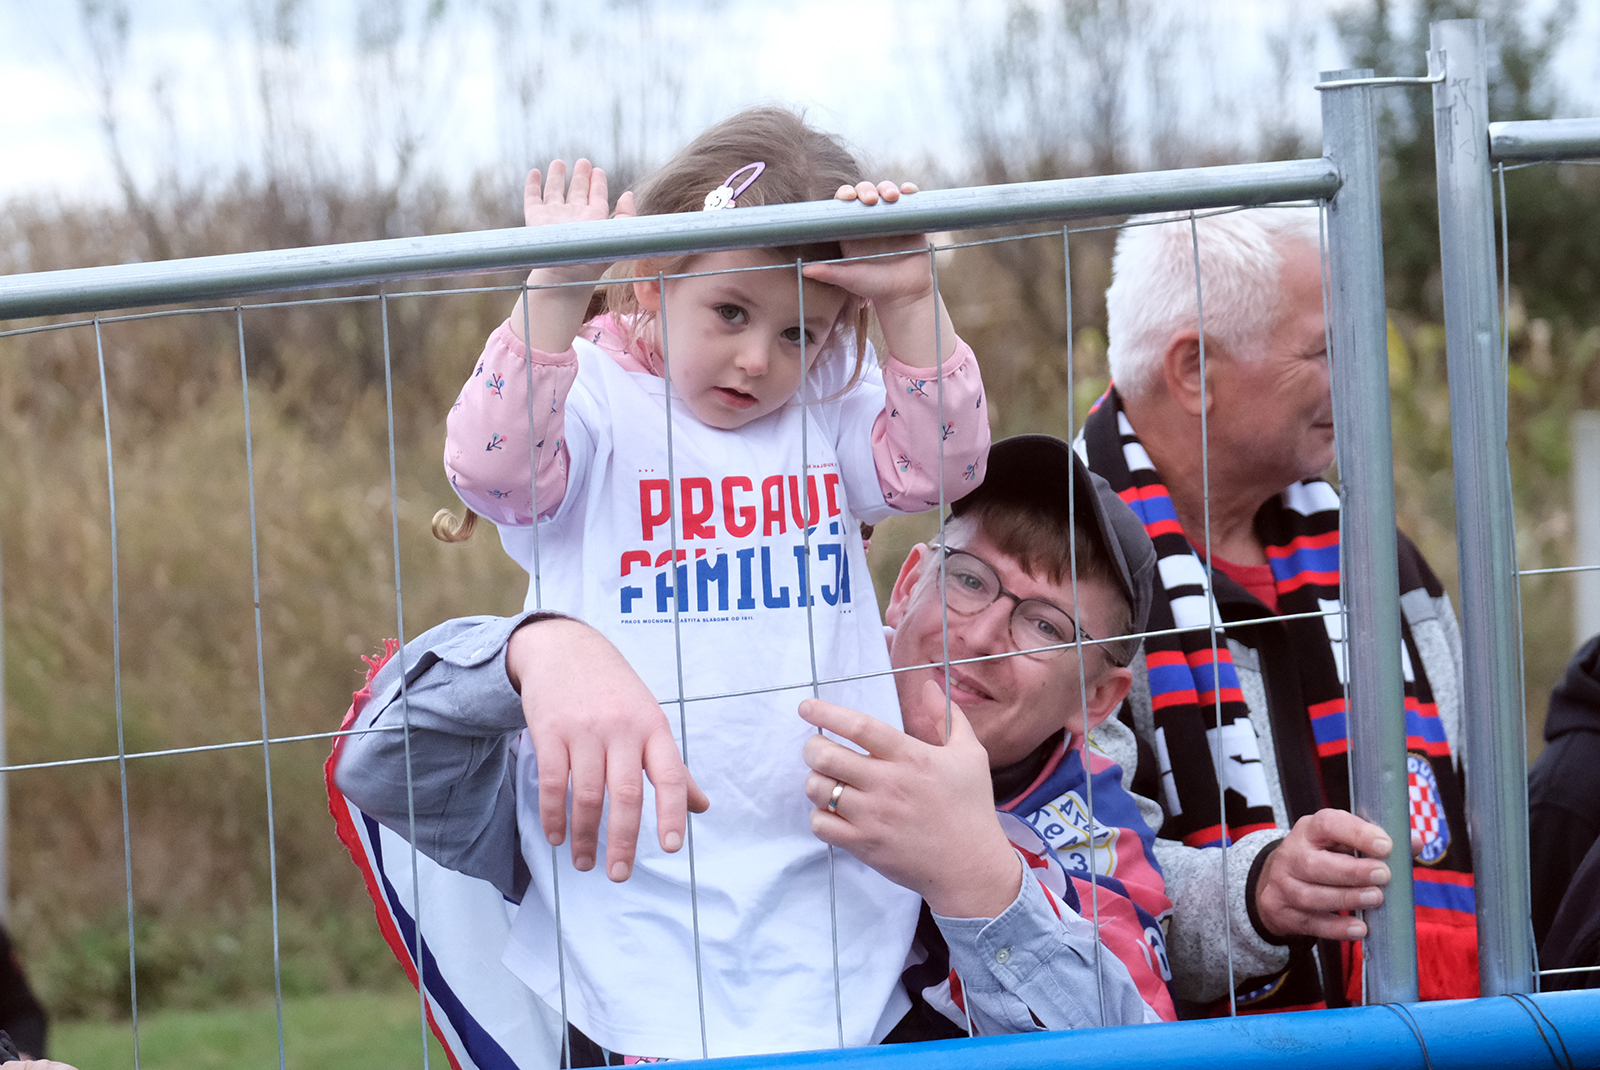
1556	1029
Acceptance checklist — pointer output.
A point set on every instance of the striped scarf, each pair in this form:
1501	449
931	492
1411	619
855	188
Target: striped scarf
1303	664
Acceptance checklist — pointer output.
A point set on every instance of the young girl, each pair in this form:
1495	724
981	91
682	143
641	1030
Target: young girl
700	457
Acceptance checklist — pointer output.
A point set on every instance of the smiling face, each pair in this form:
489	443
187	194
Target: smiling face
733	341
1272	407
1016	703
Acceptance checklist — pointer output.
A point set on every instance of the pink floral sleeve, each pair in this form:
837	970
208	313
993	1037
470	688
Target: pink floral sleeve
487	434
915	420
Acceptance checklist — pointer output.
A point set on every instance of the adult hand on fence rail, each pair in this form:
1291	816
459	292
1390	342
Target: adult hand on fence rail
601	728
554	316
1313	874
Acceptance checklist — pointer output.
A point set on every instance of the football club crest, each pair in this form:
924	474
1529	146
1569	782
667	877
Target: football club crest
1427	809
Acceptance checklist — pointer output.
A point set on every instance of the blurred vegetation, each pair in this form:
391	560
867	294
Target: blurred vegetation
183	627
1551	245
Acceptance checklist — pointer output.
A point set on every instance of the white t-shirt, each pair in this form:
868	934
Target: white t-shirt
750	618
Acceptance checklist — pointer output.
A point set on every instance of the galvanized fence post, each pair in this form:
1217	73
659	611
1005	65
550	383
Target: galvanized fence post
1494	737
1585	524
1376	695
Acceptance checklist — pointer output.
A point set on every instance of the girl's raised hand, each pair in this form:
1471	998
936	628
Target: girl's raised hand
889	281
916	325
867	193
549	199
554	315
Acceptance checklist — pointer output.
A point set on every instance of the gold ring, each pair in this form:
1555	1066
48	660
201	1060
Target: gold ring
833	799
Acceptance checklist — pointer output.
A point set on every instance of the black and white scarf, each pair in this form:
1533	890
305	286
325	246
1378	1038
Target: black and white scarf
1300	532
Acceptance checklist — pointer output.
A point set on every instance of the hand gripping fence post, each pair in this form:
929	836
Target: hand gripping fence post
1376	695
1493	733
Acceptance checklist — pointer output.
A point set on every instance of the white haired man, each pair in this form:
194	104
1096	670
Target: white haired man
1235	426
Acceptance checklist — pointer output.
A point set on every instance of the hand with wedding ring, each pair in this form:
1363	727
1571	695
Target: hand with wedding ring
921	814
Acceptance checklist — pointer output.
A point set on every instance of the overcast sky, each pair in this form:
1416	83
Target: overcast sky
889	75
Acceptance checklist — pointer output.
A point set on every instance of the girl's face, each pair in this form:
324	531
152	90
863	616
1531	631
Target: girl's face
733	341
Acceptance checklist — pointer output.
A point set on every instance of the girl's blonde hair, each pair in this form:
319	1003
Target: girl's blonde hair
447	527
802	164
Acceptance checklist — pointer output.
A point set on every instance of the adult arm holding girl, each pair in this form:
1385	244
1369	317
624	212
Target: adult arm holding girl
924	816
1015	935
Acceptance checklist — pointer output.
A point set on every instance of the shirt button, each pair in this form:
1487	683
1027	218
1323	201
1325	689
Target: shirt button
1003	956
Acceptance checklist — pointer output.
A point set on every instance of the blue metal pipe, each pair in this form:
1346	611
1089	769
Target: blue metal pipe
1556	1029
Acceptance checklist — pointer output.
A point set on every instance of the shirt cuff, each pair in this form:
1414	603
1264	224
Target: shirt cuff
893	365
475	670
1000	953
505	338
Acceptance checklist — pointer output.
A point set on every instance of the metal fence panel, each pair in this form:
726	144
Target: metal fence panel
1465	1034
240	274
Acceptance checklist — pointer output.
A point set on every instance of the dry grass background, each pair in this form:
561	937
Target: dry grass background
320	449
187	636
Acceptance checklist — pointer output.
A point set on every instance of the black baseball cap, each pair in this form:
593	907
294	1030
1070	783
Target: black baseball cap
1042	470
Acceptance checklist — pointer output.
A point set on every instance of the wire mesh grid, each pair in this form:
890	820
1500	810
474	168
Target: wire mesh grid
396	510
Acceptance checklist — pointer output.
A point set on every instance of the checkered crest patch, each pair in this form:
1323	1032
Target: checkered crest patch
1427	810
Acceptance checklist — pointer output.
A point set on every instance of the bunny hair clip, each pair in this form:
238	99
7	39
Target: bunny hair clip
727	195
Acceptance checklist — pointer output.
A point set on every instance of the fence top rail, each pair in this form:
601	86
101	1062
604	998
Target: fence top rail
1544	139
123	286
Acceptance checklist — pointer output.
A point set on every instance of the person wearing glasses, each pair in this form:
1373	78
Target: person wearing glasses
1045	911
1010	638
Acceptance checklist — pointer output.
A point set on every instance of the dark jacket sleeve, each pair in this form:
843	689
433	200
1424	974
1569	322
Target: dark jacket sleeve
1560	833
1563	799
1574	938
21	1014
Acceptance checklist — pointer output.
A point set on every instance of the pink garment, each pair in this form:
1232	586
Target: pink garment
488	458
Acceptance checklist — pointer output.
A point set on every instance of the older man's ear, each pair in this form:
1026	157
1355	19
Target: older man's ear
1180	368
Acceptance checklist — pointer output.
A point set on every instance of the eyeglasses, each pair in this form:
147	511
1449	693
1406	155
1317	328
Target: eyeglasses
1041	628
